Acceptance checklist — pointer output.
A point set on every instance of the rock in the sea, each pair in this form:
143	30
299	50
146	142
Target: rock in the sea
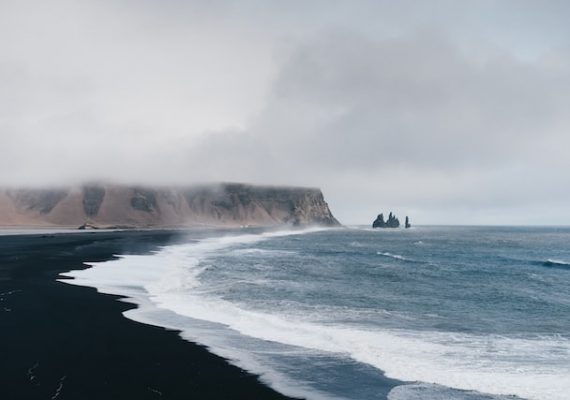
408	225
391	222
379	222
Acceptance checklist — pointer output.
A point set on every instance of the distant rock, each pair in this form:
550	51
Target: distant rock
391	222
379	222
87	226
109	206
407	224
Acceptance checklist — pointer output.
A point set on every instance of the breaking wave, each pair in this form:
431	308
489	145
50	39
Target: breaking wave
168	288
556	263
396	257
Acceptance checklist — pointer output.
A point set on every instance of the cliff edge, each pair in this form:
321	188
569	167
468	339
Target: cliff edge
103	206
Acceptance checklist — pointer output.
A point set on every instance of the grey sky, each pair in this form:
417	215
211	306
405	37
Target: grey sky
449	111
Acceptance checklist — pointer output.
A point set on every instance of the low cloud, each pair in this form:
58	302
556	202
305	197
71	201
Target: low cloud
418	120
409	122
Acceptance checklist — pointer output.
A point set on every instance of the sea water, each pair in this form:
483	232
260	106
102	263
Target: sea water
355	313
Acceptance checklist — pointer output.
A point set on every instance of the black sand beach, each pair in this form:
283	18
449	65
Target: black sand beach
61	341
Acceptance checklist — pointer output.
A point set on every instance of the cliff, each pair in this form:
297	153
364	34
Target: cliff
138	206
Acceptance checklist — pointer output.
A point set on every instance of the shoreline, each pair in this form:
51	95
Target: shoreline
67	341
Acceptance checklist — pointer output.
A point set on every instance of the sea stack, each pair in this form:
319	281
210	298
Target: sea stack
408	225
391	222
379	222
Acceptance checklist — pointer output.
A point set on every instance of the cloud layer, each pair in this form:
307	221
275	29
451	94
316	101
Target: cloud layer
429	116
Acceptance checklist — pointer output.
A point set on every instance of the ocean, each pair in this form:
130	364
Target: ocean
353	313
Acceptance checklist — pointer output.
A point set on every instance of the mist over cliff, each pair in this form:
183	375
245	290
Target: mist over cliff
443	110
111	205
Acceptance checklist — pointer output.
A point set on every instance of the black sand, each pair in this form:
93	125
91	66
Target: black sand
60	341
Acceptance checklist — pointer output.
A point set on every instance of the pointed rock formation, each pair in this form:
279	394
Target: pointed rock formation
391	222
379	222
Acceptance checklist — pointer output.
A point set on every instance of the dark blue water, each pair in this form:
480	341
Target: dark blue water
326	314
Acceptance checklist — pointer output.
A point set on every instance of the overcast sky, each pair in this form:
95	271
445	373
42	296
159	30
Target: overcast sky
454	112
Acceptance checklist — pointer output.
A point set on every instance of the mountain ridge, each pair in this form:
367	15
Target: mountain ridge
101	205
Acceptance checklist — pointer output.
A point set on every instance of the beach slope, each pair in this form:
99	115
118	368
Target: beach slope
63	341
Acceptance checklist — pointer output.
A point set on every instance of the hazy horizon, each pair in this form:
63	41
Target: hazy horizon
449	112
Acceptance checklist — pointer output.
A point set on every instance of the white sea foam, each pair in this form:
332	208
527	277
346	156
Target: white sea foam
557	262
148	280
423	391
390	255
169	280
255	251
536	369
395	256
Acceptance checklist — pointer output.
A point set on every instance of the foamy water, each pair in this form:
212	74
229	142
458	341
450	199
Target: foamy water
277	303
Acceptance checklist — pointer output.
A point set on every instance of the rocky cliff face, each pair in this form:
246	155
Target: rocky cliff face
126	206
